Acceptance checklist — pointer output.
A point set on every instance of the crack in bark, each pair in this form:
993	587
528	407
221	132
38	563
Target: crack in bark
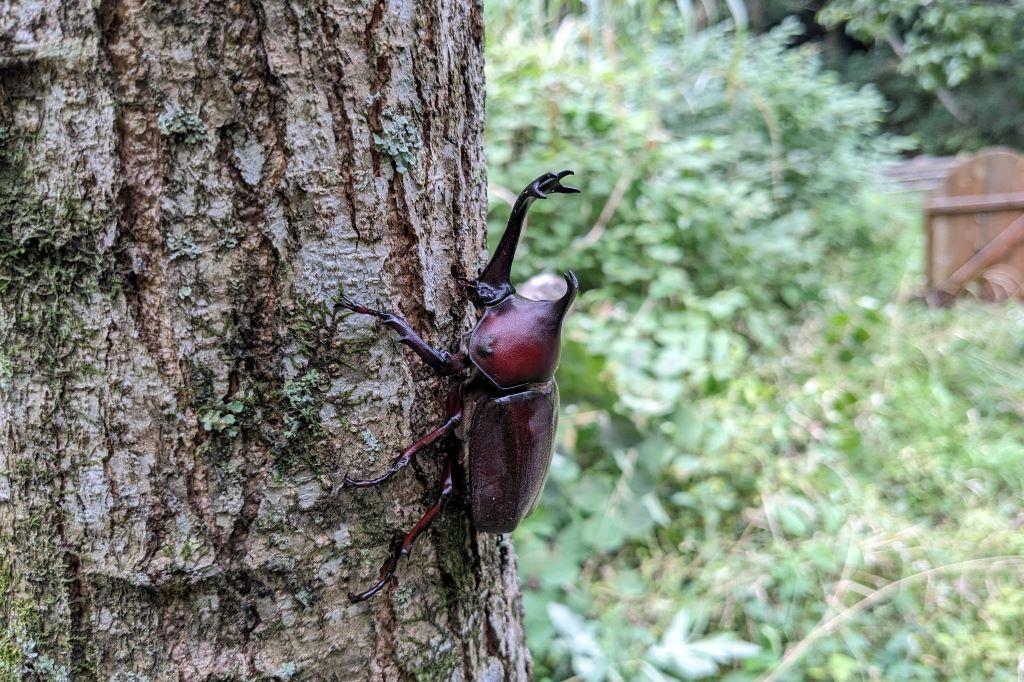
142	161
74	582
340	120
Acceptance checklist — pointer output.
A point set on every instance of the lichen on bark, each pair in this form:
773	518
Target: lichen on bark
183	190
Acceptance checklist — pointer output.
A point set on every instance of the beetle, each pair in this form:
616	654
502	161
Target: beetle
504	409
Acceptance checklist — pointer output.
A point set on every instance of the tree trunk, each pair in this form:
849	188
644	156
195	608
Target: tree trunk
184	187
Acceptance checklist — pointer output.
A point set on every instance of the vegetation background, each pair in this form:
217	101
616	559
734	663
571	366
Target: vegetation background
774	461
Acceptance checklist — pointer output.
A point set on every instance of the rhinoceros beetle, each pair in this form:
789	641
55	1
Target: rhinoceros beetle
505	408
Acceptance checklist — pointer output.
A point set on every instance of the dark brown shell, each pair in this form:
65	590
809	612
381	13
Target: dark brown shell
509	446
517	341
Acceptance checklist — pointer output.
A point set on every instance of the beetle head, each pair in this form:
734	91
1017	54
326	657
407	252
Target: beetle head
494	285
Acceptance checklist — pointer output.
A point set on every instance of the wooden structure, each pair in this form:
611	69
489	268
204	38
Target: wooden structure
974	222
920	173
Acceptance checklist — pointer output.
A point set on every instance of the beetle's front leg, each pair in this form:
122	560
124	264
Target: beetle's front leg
439	360
401	546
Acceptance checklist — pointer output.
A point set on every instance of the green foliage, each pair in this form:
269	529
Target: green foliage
942	43
759	431
688	657
990	102
954	71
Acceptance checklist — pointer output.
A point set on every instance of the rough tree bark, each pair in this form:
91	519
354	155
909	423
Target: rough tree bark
183	189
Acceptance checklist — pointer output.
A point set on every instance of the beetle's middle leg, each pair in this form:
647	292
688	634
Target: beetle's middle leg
454	417
439	360
401	546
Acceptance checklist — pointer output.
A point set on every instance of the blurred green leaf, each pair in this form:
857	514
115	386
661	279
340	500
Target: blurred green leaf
679	652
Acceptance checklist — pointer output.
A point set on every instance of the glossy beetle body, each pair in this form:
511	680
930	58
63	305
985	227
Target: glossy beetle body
508	444
505	409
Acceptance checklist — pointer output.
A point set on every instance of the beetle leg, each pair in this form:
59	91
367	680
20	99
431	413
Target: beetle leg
454	417
401	546
439	360
403	460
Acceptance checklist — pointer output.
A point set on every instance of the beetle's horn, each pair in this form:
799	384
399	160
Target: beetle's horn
496	276
572	287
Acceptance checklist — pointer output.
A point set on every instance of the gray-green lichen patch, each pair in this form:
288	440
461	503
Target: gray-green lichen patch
182	124
182	246
372	444
229	237
286	671
400	139
222	417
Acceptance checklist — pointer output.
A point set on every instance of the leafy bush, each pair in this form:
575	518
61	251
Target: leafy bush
942	43
751	441
953	70
712	168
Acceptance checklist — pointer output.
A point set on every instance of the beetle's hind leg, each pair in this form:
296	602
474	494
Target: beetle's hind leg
439	360
402	545
453	419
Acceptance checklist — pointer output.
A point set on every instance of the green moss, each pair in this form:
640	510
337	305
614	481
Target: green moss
21	636
50	260
296	403
439	668
11	654
303	397
51	263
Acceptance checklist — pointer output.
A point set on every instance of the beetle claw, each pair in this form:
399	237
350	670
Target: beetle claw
347	303
368	482
387	571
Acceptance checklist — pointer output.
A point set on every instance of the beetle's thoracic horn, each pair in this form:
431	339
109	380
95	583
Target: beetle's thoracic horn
496	275
572	287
